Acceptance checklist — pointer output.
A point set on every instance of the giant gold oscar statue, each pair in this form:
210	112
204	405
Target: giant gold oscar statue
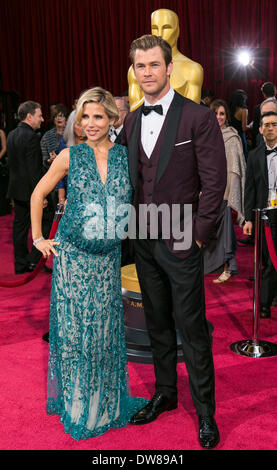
187	75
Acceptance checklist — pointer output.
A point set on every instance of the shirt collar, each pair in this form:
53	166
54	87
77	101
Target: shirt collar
118	129
165	101
270	148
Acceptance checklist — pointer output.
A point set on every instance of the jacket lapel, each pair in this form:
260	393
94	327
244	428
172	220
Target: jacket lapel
169	139
133	148
263	164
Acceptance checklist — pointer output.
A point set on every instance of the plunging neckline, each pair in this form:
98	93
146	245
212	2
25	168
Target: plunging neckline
97	168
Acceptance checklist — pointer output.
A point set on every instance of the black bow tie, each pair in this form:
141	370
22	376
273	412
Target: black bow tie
268	152
147	109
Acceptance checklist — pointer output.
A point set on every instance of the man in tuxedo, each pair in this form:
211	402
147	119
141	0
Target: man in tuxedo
176	152
261	192
26	169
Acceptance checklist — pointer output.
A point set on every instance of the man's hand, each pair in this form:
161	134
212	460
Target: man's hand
247	228
199	243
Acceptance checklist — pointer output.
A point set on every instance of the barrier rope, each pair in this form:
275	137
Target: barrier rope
42	261
270	245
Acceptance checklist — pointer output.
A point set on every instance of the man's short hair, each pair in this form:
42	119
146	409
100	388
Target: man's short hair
268	100
268	89
26	108
125	104
269	113
207	94
148	41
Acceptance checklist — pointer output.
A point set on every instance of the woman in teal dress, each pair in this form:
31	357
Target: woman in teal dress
87	372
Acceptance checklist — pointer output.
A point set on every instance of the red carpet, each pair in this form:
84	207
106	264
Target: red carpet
246	388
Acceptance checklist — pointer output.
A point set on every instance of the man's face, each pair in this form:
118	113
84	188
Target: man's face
36	119
207	100
269	130
152	74
122	112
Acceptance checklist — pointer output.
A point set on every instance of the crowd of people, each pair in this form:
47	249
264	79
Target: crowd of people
168	151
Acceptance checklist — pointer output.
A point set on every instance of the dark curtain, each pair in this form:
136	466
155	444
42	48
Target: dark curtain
51	50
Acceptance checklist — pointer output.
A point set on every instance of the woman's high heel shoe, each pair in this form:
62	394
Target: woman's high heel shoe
224	277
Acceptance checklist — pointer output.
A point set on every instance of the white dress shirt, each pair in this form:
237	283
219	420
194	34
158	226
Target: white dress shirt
272	176
115	132
152	123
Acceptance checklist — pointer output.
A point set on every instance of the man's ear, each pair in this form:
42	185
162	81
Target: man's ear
169	68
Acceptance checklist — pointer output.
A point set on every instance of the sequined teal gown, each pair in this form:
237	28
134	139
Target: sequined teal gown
87	370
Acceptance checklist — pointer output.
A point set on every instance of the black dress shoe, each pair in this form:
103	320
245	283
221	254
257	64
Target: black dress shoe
208	432
46	337
31	267
157	405
47	270
265	312
21	271
27	269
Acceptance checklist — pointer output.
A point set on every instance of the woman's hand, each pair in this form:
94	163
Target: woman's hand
52	157
47	247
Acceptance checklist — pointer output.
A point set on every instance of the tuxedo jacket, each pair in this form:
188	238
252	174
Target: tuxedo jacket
192	161
24	160
256	182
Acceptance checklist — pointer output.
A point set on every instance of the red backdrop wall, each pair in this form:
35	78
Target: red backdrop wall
52	50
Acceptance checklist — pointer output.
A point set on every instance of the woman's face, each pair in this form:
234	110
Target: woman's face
60	120
221	116
95	122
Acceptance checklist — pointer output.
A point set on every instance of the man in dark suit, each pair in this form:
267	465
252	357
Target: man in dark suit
206	98
261	192
176	152
26	169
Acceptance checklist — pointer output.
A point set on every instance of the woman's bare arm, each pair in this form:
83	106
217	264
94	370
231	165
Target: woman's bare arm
56	172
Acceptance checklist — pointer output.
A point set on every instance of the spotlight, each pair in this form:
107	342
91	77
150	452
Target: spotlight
244	58
246	63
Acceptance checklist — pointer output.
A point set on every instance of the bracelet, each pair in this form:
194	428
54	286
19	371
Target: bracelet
35	242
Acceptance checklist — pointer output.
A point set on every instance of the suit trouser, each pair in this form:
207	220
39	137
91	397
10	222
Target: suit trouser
169	284
21	226
269	274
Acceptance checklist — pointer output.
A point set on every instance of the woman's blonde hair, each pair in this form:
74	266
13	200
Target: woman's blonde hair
97	95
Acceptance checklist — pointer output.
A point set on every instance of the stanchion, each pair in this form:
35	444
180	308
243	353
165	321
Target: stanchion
254	347
10	284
